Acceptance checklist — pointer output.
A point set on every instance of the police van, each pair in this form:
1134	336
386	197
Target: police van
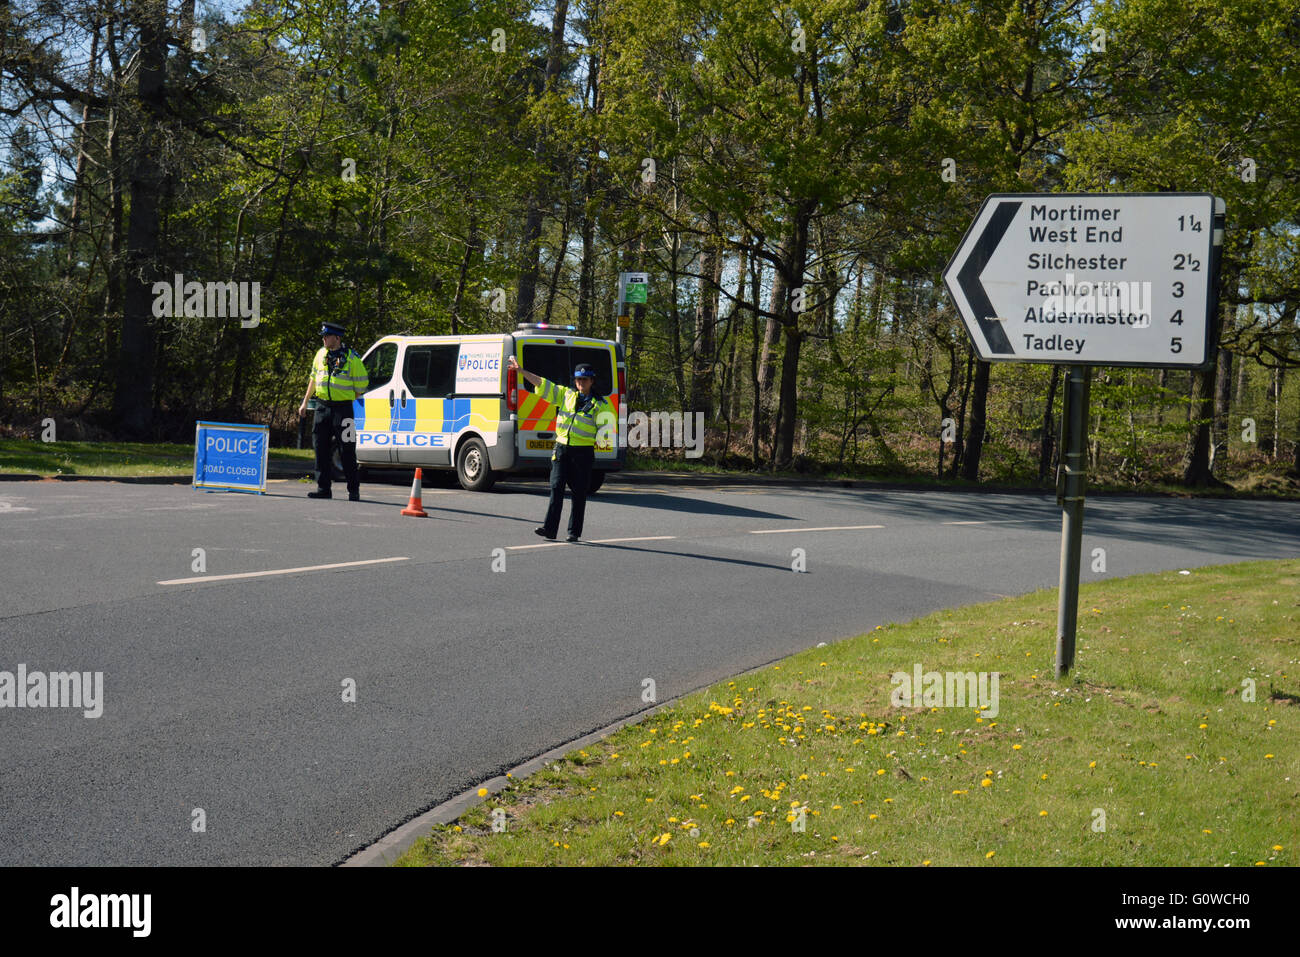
447	402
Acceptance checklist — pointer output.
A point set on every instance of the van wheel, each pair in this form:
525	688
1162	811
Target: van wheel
472	467
596	481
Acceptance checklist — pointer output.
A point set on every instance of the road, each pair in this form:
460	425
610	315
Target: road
223	697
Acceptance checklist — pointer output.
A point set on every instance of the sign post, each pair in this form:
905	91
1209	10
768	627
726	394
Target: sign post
632	290
1071	480
1084	279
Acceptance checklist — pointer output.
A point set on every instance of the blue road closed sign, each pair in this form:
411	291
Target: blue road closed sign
230	457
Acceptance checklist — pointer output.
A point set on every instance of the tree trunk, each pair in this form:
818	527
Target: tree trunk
1277	413
133	401
1049	427
755	370
526	291
706	318
794	337
767	360
587	319
1200	413
472	243
1222	396
970	467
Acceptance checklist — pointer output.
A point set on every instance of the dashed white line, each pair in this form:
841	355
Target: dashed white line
280	571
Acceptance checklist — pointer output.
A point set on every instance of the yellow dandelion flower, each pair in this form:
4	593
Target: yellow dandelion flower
1042	814
1015	747
988	855
704	843
986	783
482	792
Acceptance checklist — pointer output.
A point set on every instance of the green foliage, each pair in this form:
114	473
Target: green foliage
376	164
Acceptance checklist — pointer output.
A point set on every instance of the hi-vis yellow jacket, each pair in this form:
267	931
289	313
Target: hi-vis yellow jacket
576	420
341	379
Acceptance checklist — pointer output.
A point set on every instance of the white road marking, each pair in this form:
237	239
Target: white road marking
647	538
515	548
280	571
996	521
824	528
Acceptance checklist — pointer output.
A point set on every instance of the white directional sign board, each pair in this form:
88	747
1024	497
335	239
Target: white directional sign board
1109	279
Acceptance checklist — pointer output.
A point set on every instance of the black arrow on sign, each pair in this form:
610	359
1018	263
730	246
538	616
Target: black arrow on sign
969	277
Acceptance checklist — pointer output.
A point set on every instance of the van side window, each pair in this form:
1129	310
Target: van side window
549	362
380	364
430	371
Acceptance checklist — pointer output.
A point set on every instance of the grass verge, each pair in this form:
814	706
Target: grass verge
131	459
1173	742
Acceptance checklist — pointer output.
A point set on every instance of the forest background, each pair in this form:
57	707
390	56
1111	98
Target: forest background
793	178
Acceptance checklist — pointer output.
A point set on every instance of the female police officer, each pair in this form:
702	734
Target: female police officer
577	415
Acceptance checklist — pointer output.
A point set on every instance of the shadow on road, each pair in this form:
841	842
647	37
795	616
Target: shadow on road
1252	529
676	503
784	569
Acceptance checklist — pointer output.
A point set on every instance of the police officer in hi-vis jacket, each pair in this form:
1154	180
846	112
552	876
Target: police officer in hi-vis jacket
337	377
578	414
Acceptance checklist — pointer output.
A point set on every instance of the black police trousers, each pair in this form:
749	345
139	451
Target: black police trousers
332	418
571	465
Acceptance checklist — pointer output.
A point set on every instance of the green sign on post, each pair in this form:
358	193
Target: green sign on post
632	288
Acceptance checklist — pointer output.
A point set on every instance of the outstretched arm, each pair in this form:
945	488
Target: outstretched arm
512	364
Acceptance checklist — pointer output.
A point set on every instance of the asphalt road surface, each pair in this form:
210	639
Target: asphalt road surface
223	696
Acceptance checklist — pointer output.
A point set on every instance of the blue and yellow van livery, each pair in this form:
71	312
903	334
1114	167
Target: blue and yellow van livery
451	402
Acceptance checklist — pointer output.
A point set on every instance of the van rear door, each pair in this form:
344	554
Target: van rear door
554	358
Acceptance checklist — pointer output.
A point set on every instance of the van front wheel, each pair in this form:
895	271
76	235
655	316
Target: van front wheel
472	466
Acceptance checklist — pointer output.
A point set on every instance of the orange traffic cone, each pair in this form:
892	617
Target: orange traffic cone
415	507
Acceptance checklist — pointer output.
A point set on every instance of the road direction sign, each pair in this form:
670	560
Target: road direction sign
1112	279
